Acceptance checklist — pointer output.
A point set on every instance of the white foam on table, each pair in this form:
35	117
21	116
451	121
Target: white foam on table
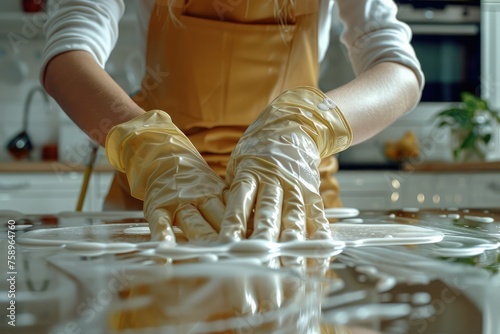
355	235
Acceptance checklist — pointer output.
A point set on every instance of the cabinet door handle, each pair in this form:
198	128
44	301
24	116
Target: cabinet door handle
15	186
495	186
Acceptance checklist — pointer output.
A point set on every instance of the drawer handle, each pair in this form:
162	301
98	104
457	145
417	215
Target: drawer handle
15	186
495	186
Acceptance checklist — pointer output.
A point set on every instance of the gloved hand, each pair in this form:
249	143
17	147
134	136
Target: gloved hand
273	170
165	170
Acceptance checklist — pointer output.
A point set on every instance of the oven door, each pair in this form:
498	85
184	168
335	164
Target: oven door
447	41
450	59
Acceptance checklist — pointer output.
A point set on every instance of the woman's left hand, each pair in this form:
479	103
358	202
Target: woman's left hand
273	171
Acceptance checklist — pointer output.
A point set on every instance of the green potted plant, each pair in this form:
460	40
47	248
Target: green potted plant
471	125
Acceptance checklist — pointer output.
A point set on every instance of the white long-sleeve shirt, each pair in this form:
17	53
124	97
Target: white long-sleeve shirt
371	32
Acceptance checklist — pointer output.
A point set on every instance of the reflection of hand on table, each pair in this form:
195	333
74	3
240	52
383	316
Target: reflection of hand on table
216	298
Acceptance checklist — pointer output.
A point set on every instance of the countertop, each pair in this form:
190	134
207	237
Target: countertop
489	166
49	166
429	166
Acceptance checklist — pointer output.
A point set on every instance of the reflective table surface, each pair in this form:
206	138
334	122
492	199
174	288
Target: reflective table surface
398	271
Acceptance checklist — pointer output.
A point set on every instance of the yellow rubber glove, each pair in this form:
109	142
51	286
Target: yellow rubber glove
273	170
165	170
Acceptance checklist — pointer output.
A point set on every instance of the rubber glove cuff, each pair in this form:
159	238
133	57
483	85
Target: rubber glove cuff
118	136
331	132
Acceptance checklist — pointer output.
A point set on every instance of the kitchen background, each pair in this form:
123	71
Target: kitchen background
368	178
21	44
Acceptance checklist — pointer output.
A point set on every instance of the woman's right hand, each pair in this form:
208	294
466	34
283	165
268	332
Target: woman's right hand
166	171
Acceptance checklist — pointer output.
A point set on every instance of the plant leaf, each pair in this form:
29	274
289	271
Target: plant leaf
455	116
469	141
486	138
473	102
495	115
443	123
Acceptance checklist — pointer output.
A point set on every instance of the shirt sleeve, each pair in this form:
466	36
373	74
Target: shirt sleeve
372	34
86	25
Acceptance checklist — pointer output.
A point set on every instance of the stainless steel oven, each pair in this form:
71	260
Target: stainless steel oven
457	45
447	41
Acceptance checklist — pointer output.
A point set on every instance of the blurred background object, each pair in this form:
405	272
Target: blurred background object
13	71
404	148
33	6
20	146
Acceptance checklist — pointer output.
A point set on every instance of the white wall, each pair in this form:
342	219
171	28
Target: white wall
21	44
490	61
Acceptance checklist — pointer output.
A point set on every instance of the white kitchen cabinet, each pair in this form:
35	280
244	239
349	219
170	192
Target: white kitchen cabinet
399	189
437	190
50	192
485	189
365	190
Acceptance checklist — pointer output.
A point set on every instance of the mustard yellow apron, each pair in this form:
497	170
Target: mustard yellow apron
218	65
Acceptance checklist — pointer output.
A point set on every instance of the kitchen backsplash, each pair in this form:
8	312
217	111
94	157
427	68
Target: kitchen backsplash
21	43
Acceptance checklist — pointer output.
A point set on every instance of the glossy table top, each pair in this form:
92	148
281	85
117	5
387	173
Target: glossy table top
397	271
